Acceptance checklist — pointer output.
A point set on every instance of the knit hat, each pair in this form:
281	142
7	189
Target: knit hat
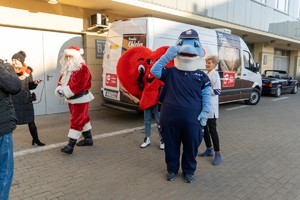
20	56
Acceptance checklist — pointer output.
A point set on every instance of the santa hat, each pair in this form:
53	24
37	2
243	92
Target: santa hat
74	51
20	56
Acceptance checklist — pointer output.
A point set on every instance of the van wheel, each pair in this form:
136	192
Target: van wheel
254	97
278	92
295	89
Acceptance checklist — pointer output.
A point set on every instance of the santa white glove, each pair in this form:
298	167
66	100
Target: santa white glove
203	118
59	91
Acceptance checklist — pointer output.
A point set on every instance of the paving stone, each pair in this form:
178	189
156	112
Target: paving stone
257	145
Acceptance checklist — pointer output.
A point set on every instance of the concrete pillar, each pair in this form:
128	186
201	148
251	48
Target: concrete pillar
294	68
264	55
93	50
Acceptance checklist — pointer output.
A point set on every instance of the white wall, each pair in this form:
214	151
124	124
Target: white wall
43	50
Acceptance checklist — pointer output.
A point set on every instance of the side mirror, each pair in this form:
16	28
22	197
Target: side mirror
257	65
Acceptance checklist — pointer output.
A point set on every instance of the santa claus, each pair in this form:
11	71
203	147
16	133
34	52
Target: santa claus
74	84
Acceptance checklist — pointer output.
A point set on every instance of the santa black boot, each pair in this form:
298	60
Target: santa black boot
87	141
69	147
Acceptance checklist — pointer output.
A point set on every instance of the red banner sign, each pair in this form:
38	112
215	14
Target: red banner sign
111	80
228	79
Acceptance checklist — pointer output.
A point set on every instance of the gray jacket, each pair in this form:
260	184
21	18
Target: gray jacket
9	84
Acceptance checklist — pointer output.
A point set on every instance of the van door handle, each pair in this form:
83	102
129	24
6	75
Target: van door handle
244	74
48	77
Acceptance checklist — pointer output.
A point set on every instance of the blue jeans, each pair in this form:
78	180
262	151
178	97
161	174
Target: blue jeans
147	118
6	165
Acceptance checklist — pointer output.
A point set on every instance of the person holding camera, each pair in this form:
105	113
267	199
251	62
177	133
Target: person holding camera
23	100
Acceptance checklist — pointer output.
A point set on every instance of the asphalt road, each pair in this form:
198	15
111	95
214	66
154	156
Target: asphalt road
259	145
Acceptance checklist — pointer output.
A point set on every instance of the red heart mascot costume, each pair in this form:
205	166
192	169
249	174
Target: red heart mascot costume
74	84
133	70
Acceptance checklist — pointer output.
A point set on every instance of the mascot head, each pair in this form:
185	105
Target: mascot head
133	68
189	51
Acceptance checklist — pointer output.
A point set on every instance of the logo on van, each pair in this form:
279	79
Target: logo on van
134	42
111	80
228	79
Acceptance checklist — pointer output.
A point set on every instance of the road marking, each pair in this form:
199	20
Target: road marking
95	137
281	98
236	107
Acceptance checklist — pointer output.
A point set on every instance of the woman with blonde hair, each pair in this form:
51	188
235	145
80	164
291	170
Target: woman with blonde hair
210	130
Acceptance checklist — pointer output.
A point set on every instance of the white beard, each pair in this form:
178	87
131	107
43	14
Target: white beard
67	69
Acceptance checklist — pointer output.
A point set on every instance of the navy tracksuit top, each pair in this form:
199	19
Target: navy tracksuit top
184	88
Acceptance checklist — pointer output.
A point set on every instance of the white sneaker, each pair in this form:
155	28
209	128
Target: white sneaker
146	142
161	145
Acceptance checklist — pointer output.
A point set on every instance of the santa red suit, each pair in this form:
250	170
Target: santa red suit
74	84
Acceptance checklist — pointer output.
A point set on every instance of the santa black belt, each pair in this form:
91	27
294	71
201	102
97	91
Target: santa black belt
76	96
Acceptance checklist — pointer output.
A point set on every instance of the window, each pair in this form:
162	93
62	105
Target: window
282	5
229	59
298	9
246	60
249	62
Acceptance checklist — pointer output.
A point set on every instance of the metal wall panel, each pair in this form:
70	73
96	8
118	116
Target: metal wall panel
248	13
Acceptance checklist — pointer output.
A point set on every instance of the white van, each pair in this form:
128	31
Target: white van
241	80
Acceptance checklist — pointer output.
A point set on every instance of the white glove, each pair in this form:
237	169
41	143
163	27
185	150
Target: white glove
61	92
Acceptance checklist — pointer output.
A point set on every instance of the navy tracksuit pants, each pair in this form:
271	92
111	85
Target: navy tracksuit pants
180	125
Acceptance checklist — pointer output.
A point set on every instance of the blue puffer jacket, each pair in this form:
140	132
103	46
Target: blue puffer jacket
9	84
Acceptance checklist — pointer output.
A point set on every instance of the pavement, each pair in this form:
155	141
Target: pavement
260	147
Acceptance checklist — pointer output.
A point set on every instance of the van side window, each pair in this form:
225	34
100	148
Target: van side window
229	59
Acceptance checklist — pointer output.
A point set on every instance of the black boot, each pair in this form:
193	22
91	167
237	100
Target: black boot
34	134
69	147
87	141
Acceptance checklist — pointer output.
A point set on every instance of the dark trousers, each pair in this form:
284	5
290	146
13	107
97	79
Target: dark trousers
210	133
180	125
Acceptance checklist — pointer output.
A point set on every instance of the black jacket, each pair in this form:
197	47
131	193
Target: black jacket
9	84
23	102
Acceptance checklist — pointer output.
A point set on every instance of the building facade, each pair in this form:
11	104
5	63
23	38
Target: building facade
271	29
